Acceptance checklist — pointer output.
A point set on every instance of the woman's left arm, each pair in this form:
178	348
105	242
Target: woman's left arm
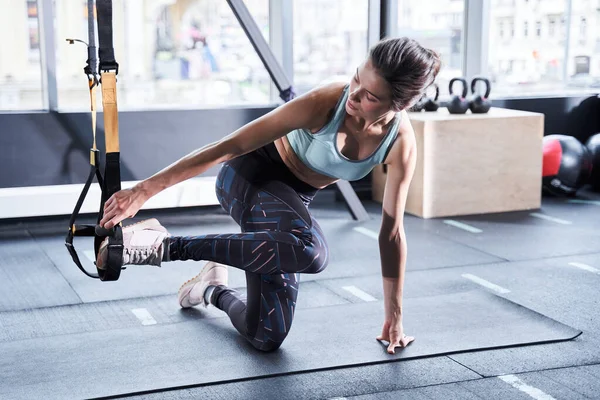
392	238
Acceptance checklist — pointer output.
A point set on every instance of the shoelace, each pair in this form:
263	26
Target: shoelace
138	254
189	280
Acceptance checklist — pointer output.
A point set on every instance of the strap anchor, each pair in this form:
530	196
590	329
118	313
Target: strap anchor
110	181
90	67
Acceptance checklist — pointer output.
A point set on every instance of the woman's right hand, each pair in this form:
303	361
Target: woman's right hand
122	205
393	333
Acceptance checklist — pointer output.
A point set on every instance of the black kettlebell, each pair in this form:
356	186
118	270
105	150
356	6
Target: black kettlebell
432	104
418	106
480	104
458	104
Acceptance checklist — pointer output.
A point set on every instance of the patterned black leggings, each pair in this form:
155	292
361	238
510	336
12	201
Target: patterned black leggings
279	240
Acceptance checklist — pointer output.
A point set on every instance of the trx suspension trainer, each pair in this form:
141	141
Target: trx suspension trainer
110	181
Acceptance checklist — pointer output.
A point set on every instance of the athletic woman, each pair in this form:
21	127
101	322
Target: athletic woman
272	169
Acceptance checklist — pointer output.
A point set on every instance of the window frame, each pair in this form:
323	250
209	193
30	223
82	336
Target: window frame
475	41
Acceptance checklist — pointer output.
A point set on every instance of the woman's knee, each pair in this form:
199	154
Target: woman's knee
316	258
316	251
316	265
268	346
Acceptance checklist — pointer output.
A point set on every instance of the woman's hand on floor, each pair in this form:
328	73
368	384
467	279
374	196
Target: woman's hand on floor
393	332
122	205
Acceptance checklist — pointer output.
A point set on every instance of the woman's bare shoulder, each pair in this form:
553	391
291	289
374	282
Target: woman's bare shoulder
324	98
331	90
326	94
405	144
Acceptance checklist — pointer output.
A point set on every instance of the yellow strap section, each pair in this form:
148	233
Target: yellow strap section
93	108
93	86
111	117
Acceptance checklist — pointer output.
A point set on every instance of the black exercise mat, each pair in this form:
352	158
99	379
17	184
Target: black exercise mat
151	358
28	278
112	315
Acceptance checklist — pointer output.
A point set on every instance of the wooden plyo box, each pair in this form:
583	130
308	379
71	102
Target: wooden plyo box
473	163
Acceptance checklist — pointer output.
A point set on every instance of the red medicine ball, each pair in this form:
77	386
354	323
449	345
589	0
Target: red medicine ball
567	165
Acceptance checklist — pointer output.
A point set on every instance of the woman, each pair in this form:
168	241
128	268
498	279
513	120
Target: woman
273	167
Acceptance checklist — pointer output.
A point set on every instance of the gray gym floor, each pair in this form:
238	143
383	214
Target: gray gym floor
523	284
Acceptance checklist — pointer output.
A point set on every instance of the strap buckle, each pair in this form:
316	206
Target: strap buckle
109	66
107	60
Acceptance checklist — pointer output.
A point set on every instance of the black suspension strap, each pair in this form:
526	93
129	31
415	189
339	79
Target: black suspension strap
112	170
110	182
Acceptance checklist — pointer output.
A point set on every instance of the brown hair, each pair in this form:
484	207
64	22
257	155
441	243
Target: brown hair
407	67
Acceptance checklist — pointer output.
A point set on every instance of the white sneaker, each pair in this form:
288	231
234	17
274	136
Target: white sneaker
191	293
142	244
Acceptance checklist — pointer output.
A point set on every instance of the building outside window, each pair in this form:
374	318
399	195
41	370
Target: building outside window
535	63
437	25
20	62
330	40
193	53
172	54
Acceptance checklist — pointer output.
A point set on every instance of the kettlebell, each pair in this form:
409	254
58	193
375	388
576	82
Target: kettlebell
418	106
432	104
458	104
480	104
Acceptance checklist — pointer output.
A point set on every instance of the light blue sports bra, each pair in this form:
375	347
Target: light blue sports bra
320	153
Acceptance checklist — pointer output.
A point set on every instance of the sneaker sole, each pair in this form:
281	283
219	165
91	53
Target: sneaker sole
141	225
186	288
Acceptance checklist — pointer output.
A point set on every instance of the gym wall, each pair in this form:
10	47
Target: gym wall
41	149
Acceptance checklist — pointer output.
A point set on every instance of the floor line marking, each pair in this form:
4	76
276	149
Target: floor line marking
367	232
462	226
359	293
552	219
581	201
485	283
585	267
525	388
144	316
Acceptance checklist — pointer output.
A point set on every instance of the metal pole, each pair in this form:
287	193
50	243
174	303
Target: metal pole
475	38
388	24
47	53
281	35
260	44
280	79
568	14
374	26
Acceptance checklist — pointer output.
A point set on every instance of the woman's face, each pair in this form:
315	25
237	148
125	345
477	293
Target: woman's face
369	96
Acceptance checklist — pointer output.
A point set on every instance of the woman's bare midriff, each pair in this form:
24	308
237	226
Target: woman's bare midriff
298	168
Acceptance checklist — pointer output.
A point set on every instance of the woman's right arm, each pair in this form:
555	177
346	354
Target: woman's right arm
306	111
300	112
